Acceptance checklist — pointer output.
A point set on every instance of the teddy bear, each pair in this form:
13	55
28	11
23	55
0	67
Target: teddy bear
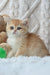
2	24
3	36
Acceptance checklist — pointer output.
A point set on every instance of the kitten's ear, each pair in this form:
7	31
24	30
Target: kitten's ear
25	22
7	18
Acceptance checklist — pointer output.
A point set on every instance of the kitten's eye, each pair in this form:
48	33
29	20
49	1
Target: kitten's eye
19	28
11	27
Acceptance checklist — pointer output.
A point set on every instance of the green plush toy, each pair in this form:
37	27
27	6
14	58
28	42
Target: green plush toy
2	53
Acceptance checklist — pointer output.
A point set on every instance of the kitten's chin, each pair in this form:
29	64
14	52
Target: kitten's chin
11	35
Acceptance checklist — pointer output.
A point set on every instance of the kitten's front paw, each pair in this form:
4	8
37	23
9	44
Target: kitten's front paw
18	54
11	54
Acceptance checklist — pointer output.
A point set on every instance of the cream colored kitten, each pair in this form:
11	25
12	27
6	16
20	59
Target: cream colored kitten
22	42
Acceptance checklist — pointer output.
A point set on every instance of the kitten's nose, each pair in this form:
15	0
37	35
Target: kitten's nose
14	31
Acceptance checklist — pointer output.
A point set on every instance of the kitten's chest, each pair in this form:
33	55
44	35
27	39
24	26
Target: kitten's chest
14	43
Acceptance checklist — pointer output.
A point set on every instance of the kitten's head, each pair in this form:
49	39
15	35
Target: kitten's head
17	28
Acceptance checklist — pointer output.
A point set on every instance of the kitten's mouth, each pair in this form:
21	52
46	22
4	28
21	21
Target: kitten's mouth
14	32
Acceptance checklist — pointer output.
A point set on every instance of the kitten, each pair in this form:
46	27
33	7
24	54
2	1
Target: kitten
22	42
